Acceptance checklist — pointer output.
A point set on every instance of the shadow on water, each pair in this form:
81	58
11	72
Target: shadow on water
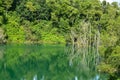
40	62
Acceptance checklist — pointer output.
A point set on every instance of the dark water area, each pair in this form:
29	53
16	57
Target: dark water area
41	62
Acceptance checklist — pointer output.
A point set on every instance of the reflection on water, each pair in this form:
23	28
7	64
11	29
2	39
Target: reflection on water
35	77
40	62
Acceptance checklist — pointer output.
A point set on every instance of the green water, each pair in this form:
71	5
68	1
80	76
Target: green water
41	62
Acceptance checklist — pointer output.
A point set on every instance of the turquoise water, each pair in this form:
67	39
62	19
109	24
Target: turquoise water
41	62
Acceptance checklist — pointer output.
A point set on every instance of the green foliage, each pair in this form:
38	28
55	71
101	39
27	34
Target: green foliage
14	32
114	58
33	10
111	61
106	68
1	20
51	37
7	4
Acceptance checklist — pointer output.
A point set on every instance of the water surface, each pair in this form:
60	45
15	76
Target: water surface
41	62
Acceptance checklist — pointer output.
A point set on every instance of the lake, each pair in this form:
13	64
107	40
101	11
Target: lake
41	62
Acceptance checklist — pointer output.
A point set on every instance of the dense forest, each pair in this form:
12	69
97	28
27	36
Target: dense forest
51	21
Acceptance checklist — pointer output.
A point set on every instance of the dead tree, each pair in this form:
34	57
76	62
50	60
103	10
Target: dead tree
85	44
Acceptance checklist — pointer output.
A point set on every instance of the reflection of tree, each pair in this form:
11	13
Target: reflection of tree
36	61
2	49
26	61
1	54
